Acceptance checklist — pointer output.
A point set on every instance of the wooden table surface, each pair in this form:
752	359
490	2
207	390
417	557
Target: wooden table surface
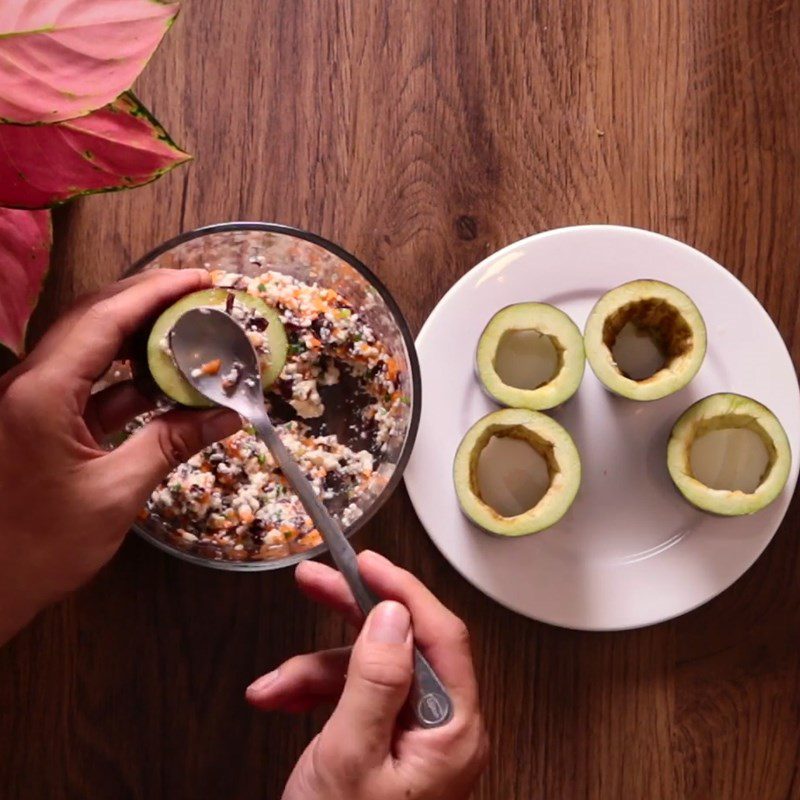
422	136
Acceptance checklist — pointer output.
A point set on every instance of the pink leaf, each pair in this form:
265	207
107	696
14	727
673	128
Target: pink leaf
25	239
116	147
61	59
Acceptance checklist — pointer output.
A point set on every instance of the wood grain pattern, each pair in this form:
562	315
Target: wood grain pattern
422	135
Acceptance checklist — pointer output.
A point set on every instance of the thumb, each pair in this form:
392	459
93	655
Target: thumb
377	685
167	440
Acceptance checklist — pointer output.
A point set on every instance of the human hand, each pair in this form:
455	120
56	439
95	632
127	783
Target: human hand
67	503
363	752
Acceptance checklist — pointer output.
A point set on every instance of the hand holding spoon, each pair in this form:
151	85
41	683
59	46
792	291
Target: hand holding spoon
204	335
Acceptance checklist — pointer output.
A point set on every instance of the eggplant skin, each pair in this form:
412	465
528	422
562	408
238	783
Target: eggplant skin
137	361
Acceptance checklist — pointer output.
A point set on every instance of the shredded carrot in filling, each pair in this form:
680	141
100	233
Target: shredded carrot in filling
211	367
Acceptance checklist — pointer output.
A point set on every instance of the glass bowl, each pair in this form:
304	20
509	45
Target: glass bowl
251	248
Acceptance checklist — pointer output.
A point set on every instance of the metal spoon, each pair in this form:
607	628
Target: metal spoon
203	335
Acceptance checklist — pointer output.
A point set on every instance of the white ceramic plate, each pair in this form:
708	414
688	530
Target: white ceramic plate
630	552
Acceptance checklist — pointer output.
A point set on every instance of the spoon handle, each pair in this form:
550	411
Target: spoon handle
430	701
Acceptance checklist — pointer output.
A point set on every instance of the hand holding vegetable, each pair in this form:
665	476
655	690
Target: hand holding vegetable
67	503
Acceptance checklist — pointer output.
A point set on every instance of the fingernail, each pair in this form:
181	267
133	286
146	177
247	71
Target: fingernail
219	425
262	683
389	623
371	555
310	567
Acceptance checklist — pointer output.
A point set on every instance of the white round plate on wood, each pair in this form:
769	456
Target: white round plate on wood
630	552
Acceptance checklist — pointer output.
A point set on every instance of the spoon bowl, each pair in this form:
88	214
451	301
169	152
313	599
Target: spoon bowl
205	336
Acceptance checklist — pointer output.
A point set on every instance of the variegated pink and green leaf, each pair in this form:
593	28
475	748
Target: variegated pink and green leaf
61	59
25	240
116	147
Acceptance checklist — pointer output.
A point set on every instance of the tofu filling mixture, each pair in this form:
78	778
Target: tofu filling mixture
230	501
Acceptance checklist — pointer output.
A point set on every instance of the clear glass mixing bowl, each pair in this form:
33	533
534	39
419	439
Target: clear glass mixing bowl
251	248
